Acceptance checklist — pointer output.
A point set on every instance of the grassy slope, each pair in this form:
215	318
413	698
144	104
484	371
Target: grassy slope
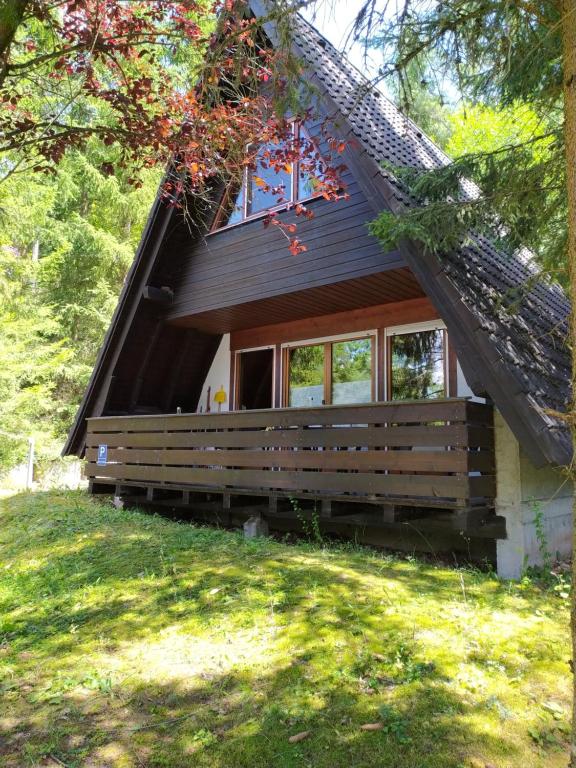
129	640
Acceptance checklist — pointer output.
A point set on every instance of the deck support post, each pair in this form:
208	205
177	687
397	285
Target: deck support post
467	519
389	513
118	500
326	508
255	527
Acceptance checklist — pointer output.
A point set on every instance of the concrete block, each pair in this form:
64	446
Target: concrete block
255	527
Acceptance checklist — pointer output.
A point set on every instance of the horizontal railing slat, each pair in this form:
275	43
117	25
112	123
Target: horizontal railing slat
417	461
401	413
441	436
445	486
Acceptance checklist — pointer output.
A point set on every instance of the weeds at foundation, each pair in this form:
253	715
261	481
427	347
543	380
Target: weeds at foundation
311	527
541	537
550	575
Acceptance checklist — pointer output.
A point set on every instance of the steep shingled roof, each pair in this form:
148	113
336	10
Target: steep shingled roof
510	326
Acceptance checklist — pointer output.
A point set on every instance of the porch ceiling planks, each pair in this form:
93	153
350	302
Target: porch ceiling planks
385	287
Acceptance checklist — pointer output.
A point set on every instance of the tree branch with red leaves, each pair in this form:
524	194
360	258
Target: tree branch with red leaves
165	81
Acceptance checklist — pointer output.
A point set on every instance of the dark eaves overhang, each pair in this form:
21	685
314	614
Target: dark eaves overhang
93	400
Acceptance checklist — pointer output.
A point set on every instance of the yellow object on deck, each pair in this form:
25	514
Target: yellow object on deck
220	396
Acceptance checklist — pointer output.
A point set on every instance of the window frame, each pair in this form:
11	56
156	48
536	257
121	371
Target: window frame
402	330
327	342
294	186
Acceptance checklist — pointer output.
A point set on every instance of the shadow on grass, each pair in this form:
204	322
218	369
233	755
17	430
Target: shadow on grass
135	641
239	720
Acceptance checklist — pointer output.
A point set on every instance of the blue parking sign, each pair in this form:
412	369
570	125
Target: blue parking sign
102	455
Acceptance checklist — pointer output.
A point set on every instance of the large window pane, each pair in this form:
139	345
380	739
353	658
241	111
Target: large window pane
417	365
352	371
306	376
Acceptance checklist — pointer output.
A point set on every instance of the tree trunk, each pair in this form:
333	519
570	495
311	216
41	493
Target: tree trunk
11	15
568	11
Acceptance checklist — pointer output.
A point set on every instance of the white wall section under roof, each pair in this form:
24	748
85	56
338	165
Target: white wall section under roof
218	376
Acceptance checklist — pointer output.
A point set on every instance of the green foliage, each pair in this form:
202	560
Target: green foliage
504	62
415	96
352	361
54	311
307	365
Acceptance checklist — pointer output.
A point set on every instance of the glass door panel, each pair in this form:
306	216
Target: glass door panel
306	376
417	368
352	367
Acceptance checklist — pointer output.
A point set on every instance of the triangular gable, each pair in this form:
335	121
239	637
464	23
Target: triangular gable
519	359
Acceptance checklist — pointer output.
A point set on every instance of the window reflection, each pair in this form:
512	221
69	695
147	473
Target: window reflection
417	369
236	206
306	376
352	371
267	187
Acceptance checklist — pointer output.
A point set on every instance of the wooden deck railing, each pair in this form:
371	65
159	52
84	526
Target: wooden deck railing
428	453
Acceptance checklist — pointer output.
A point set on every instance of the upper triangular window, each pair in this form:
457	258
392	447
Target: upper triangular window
266	187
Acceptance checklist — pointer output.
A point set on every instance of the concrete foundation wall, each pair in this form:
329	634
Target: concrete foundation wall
524	493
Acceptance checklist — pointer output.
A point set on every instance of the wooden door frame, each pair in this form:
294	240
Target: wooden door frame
236	370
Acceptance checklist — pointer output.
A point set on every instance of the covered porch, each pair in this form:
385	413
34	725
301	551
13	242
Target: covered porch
375	464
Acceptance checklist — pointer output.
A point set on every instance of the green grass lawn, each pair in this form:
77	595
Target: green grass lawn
130	640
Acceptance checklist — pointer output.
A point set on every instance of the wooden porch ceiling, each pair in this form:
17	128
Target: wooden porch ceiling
381	288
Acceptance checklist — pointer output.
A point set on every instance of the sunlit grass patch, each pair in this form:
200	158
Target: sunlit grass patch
129	640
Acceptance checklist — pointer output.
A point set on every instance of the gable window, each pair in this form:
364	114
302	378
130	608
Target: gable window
417	364
264	188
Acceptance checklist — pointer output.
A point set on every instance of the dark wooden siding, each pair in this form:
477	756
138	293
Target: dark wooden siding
250	262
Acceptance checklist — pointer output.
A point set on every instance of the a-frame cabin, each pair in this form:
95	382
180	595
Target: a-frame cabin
405	399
